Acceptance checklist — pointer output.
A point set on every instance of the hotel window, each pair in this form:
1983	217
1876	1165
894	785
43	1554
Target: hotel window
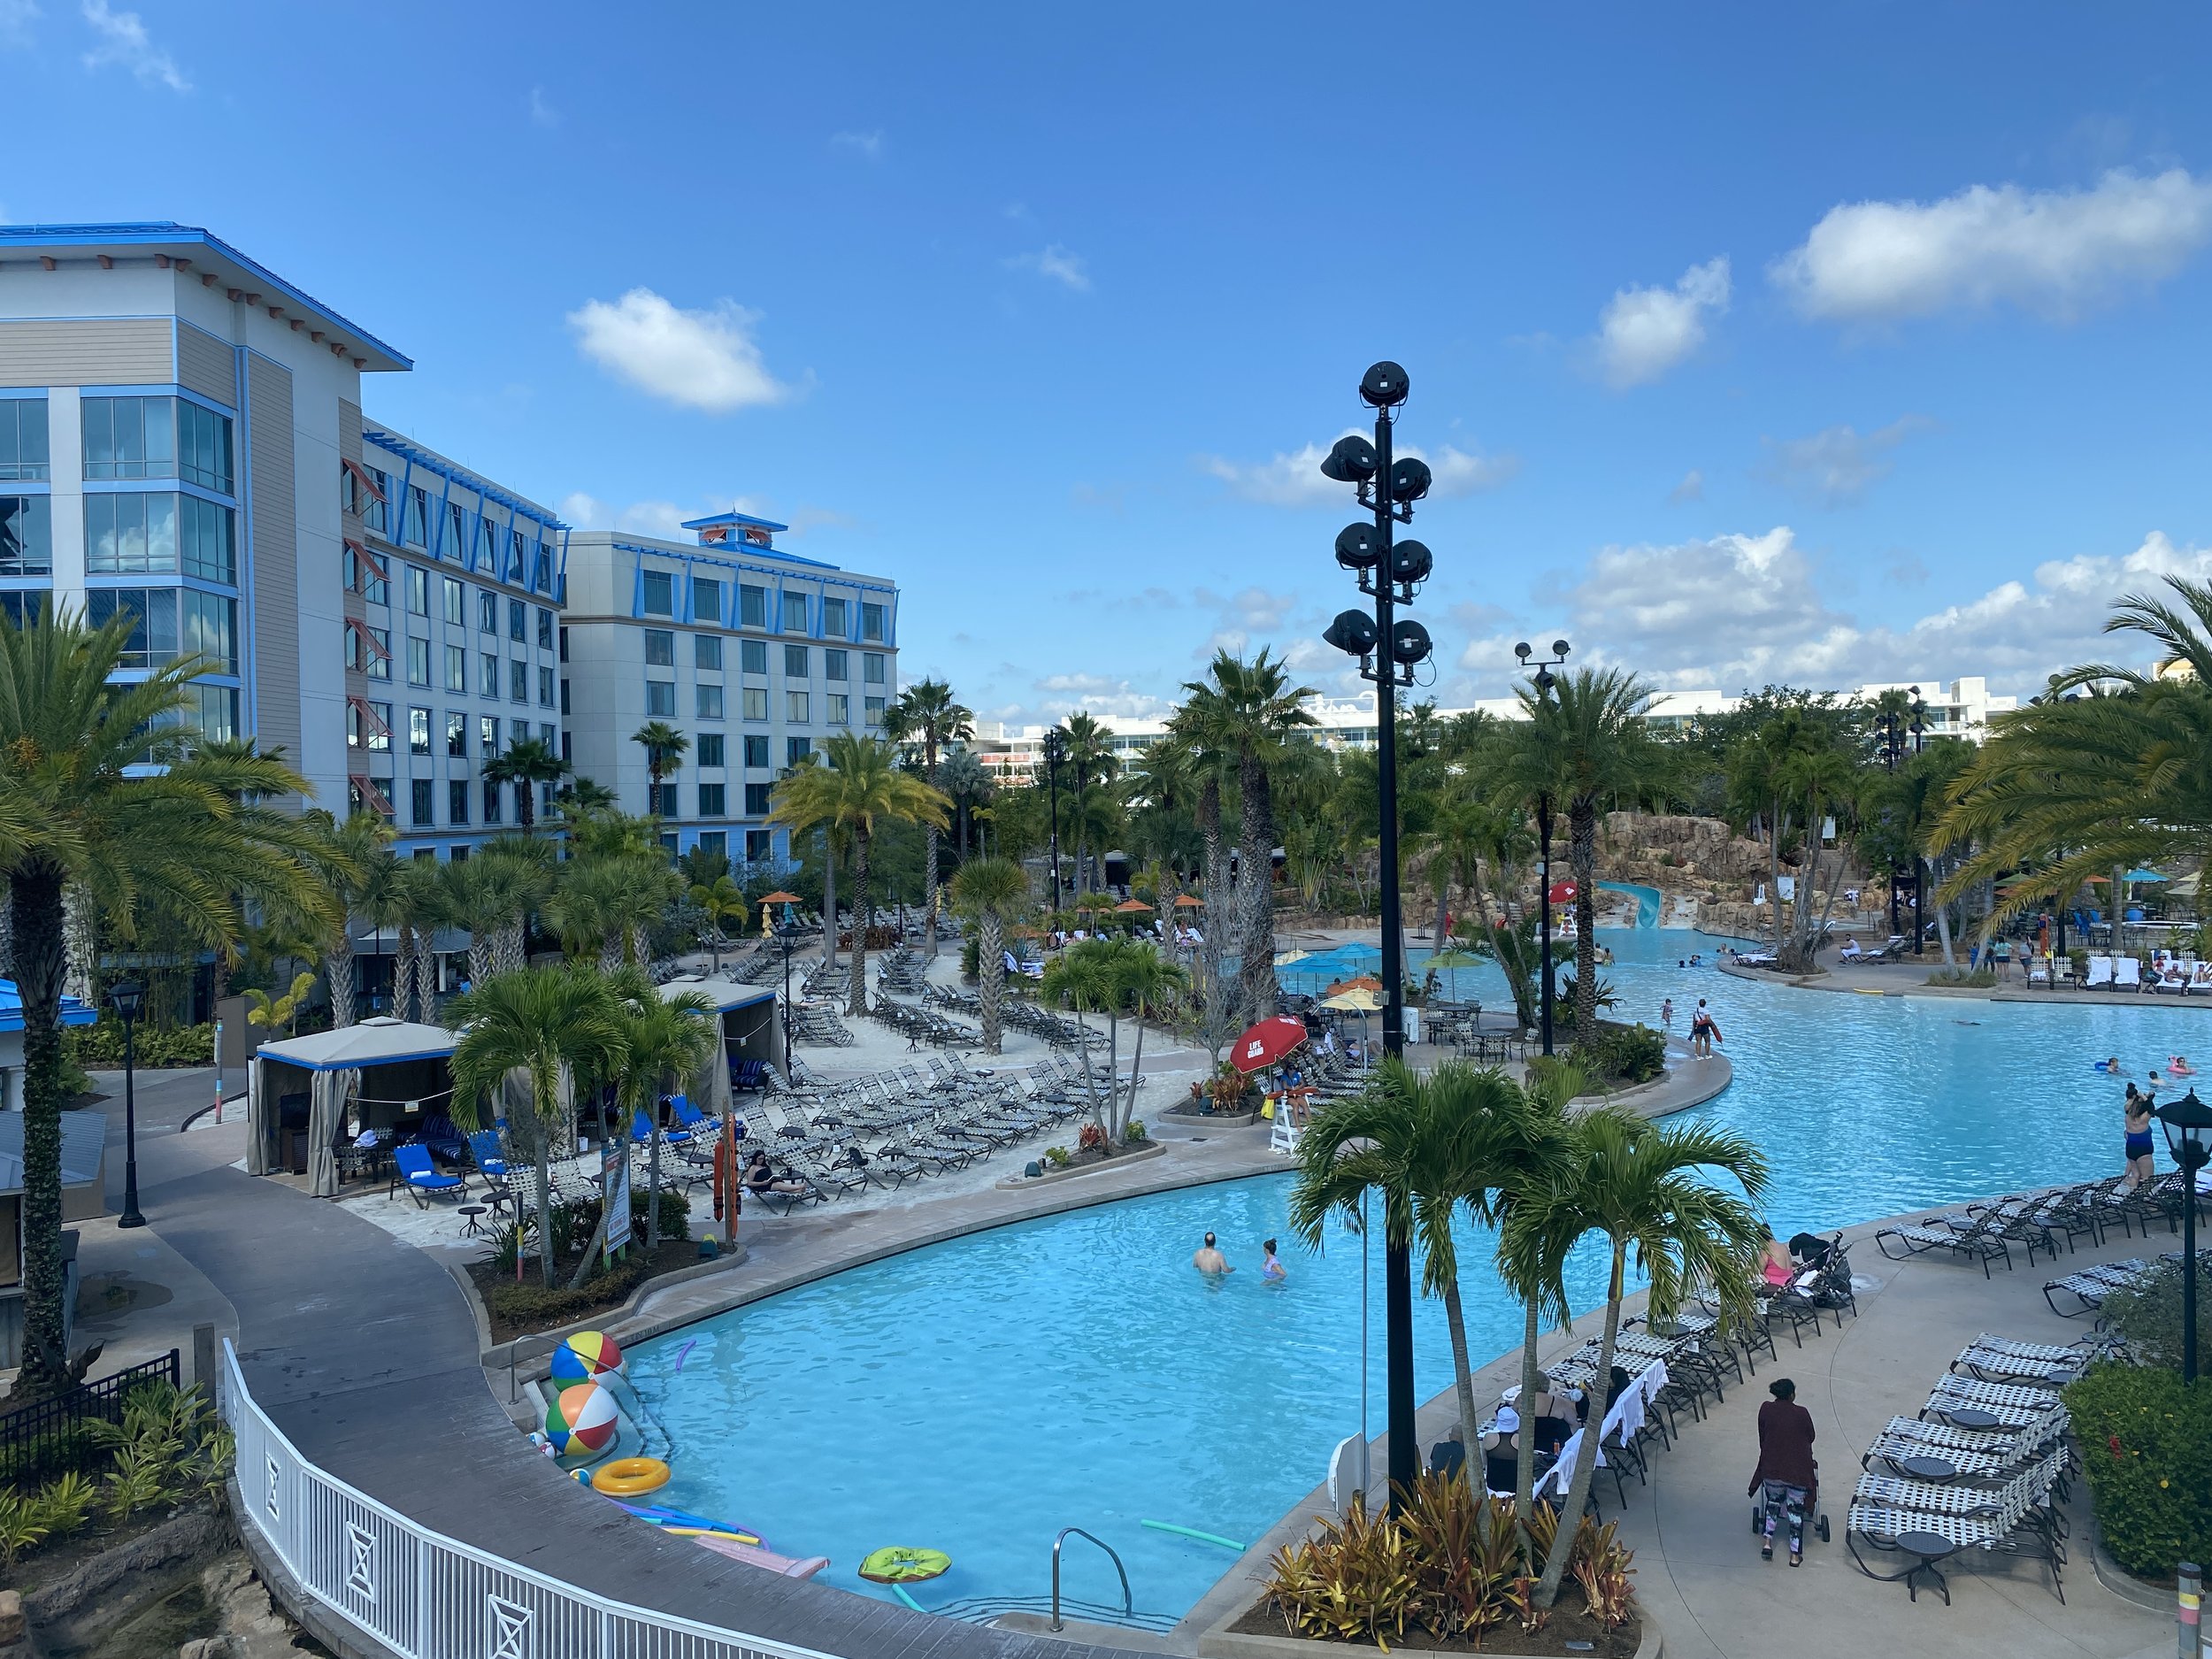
563	650
488	548
417	661
379	665
26	536
457	669
417	525
361	578
758	845
833	666
515	555
710	749
545	629
660	698
157	437
219	712
714	842
456	800
660	593
487	682
752	655
796	666
486	612
457	539
517	682
872	668
710	798
871	623
211	628
756	703
564	706
756	799
418	590
419	796
456	736
756	751
706	599
372	732
456	604
660	648
839	708
130	534
706	652
491	802
545	736
517	622
794	613
795	707
487	736
152	641
545	685
872	709
834	623
418	730
667	807
752	607
378	513
710	702
23	453
795	749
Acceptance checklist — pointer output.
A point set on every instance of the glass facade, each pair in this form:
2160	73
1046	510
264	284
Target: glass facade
23	449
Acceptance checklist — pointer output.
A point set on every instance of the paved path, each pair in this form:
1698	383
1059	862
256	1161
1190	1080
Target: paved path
1909	978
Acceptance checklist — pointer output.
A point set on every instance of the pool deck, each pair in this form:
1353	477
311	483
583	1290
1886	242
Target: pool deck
1909	978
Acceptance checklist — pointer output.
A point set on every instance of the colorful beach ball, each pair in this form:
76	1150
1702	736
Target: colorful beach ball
581	1420
583	1356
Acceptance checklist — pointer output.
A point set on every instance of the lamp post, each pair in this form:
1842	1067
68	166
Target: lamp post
1055	751
127	997
1543	681
784	933
1390	573
1919	869
2189	1138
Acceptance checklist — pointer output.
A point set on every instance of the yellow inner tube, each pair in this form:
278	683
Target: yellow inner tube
905	1566
626	1477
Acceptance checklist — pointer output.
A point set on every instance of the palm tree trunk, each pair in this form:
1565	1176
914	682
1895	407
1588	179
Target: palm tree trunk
1462	1372
1531	1384
1103	1113
544	1136
1774	861
479	955
856	985
1482	898
653	1173
990	976
929	856
1593	1436
1136	1077
35	912
1582	819
829	899
403	973
426	973
338	975
610	950
1255	899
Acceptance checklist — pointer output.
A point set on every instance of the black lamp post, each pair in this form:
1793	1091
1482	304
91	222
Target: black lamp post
1918	728
1544	680
1390	573
1055	751
783	934
2189	1138
127	997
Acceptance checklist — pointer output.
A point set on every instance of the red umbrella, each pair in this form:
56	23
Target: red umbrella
1267	1042
1562	892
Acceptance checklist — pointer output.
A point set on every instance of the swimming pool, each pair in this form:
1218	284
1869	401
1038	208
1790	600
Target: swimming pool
978	1395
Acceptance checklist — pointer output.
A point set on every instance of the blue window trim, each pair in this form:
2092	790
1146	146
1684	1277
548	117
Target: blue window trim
151	486
155	389
27	486
26	392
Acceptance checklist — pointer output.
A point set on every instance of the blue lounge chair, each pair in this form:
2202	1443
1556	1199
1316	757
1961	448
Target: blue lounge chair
690	1117
414	1166
641	1131
484	1148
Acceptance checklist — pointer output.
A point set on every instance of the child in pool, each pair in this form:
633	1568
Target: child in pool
2111	1066
1271	1270
2180	1066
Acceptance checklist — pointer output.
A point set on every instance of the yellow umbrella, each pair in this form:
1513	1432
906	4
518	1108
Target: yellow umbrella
1291	956
1358	1000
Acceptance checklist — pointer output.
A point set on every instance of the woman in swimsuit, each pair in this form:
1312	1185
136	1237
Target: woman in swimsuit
2139	1139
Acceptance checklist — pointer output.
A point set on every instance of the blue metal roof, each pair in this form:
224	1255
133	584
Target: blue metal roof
73	1012
166	236
734	518
431	461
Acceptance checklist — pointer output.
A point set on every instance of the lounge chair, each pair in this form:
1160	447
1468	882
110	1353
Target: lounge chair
1996	1360
641	1131
2091	1286
422	1181
2018	1517
2100	973
2014	1405
484	1148
2127	973
1978	1239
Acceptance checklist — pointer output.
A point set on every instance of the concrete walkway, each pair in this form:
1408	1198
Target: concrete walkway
1909	978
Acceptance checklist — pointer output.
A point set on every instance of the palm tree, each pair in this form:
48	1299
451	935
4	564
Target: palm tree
668	1044
967	786
1081	977
76	817
1090	759
583	796
719	901
857	788
665	749
1247	712
349	856
1527	1155
989	891
1189	731
1584	740
544	1027
528	763
926	716
1144	981
609	902
1638	1185
1826	781
413	904
483	895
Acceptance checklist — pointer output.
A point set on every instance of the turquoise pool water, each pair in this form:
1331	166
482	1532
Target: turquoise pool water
980	1395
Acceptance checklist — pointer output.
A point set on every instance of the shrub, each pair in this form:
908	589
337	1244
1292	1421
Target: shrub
1621	1053
1090	1138
2146	1448
1135	1133
100	1048
1058	1156
2147	1318
168	1447
1980	977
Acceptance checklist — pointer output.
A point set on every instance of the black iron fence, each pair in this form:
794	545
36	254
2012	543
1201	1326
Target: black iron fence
48	1438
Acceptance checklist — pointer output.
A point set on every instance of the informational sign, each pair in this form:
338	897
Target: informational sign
614	1182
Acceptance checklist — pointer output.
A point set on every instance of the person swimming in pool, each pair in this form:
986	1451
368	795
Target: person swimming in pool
2112	1067
1209	1258
1271	1270
2178	1065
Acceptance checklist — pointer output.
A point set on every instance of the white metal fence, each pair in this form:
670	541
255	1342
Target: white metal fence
424	1595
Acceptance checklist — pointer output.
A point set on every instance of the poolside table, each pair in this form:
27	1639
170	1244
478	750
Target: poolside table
1927	1548
1928	1469
1972	1417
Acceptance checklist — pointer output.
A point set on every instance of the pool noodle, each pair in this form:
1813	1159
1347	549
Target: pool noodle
1203	1538
899	1590
683	1351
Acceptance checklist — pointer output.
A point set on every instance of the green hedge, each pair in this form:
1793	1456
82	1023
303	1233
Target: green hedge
1621	1053
2146	1446
100	1048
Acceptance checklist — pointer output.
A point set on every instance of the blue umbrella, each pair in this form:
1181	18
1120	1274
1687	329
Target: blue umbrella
2143	875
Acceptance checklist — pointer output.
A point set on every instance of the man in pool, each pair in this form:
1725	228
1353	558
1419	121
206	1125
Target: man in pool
1209	1258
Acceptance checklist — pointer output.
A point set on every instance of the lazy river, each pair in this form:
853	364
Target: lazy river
976	1396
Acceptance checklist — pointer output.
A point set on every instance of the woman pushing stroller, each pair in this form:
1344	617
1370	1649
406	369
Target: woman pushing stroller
1787	1476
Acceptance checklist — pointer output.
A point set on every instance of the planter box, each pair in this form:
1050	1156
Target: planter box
1150	1149
1207	1120
1221	1642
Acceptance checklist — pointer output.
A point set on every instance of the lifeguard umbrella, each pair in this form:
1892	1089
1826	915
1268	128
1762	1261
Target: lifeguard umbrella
1267	1042
1562	892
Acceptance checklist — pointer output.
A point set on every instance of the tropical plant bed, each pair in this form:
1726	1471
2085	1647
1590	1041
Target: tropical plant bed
1086	1161
1185	1120
1570	1632
524	1309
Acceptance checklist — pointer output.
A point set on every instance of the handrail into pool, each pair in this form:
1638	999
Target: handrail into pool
1128	1602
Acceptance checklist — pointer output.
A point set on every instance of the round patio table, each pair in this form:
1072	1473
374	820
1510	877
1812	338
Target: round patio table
1928	1469
471	1228
1972	1418
1930	1548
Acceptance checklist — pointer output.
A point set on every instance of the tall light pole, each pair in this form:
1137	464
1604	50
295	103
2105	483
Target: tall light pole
127	997
1543	680
1919	869
2189	1138
1390	573
1055	751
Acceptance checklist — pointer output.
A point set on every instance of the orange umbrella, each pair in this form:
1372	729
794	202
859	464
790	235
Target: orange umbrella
1130	907
1185	900
781	897
1363	981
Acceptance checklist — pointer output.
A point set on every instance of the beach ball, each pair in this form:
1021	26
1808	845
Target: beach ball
582	1357
581	1420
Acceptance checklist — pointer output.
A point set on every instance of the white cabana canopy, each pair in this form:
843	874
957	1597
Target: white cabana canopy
330	1064
746	1015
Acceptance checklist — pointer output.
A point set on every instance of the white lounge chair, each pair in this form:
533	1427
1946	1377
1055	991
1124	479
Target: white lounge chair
2100	973
2127	973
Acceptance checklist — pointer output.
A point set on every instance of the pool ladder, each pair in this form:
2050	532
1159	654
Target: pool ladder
1128	1604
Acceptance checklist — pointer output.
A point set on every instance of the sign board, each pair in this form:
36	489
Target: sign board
614	1182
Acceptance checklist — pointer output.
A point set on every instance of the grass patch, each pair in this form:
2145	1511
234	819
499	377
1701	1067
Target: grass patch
1974	979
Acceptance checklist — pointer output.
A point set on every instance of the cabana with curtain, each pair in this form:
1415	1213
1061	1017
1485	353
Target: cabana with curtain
389	1074
750	1031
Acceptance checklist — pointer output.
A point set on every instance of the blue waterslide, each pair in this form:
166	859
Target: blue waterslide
1647	900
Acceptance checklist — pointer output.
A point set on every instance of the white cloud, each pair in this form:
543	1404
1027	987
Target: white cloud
703	359
663	520
1057	263
542	110
1100	695
124	42
1294	479
1835	466
1643	332
16	18
868	144
2052	252
1690	488
1744	610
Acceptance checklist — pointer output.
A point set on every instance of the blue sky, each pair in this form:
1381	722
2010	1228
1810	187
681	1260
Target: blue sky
1750	343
